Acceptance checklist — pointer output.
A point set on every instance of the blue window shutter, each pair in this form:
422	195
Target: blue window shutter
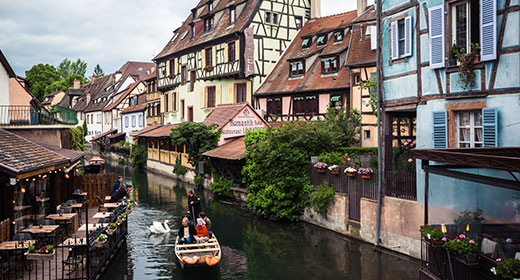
440	129
437	37
489	127
488	30
395	40
408	36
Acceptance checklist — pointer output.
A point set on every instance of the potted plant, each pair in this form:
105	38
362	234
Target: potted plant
366	172
65	205
475	50
45	253
464	248
350	171
507	269
129	209
466	75
101	240
334	169
453	54
433	235
123	216
112	228
208	68
321	167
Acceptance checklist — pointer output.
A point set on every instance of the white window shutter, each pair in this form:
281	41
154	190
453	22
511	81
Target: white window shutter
408	36
395	40
488	32
437	37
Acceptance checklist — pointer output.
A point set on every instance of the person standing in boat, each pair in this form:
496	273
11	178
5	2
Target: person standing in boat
187	233
117	185
194	204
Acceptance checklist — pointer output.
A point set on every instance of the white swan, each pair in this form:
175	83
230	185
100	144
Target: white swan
157	227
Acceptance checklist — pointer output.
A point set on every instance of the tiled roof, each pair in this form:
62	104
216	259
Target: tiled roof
183	39
116	135
234	150
104	134
368	15
360	47
138	69
19	155
138	108
223	114
146	129
151	76
163	131
279	80
71	155
122	97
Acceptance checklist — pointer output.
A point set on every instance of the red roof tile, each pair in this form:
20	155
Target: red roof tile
360	48
223	114
122	97
138	108
104	134
146	129
163	131
234	150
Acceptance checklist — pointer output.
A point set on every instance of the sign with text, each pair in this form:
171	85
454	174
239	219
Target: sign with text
249	52
240	124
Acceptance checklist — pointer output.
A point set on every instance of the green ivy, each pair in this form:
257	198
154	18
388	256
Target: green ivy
321	197
139	155
221	187
78	138
199	137
178	168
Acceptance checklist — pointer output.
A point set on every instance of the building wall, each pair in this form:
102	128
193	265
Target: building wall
18	95
138	125
360	101
94	128
4	86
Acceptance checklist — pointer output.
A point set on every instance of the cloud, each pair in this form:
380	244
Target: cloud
107	32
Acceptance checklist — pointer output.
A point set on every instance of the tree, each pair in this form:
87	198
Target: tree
68	68
64	84
85	129
200	138
40	76
78	140
139	155
98	72
344	124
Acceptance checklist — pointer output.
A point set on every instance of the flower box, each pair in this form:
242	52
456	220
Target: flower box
39	257
351	174
99	244
334	171
469	260
321	170
366	176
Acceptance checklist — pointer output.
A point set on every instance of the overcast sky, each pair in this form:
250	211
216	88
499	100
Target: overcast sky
108	32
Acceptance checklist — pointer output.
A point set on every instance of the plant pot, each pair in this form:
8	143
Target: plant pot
321	170
476	59
40	257
334	171
366	176
111	231
99	244
470	259
437	243
351	174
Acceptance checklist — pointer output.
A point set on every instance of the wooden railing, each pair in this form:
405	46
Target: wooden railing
95	185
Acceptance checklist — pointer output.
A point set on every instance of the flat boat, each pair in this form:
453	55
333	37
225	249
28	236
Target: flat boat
207	254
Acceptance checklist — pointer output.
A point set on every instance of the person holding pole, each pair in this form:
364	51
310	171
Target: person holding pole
194	205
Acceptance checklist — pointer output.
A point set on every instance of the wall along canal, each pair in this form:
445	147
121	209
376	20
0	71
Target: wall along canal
252	248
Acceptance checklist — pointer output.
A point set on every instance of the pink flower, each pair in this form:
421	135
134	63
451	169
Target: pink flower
409	140
405	143
499	260
411	145
471	241
410	160
462	236
414	142
444	239
458	240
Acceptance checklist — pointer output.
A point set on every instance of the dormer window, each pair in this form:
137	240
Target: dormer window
232	15
297	68
329	65
192	30
306	42
208	24
210	6
338	36
322	40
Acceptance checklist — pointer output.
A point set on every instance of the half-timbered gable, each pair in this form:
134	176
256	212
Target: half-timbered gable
310	74
222	52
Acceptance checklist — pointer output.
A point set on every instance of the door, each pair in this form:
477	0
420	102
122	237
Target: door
190	113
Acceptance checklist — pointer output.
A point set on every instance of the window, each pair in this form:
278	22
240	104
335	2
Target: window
366	134
299	22
192	31
232	15
306	42
208	24
305	105
274	107
465	26
133	121
190	113
210	97
357	78
126	121
322	40
182	109
297	68
336	101
99	117
401	38
174	101
183	74
275	18
209	57
141	124
268	17
193	77
241	93
231	52
329	65
210	6
166	104
469	129
338	36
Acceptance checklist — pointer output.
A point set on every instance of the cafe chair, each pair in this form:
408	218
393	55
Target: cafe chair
74	259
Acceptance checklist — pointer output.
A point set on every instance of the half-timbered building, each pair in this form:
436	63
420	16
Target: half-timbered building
310	75
223	52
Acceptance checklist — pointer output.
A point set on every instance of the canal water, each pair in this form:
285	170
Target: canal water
252	248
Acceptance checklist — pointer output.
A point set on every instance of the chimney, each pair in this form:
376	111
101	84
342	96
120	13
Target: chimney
88	98
118	75
361	6
316	8
77	84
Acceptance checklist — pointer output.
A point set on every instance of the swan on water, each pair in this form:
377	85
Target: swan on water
157	227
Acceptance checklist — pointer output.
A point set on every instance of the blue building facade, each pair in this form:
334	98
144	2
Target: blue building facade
452	70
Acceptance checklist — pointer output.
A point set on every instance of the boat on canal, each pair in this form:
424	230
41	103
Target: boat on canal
198	255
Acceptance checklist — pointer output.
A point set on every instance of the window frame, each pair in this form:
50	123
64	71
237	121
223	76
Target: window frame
336	40
331	70
209	57
232	52
472	129
306	46
274	106
300	24
324	41
307	106
211	96
297	73
243	97
232	15
209	24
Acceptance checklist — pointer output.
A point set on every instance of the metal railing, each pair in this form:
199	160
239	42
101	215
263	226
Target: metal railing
16	115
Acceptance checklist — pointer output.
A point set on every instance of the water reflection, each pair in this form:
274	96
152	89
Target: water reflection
252	248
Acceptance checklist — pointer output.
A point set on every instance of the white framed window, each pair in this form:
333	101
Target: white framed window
460	25
401	38
126	121
99	117
469	129
141	120
133	121
232	15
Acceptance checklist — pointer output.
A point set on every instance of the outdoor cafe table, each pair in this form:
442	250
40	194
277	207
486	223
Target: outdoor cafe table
46	229
111	205
108	198
72	217
91	227
15	245
77	205
100	215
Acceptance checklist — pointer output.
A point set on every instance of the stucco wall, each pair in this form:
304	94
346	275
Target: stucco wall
337	215
4	86
17	94
52	136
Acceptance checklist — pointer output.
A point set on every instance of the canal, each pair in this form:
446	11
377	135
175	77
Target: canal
252	248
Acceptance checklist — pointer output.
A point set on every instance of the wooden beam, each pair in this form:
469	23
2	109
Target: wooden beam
41	171
182	252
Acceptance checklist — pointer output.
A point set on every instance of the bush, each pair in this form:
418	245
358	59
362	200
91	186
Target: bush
78	138
221	187
139	155
508	269
199	181
178	168
331	158
344	125
321	197
198	136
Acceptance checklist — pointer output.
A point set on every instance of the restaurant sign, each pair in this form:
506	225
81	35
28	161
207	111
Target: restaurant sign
246	120
249	52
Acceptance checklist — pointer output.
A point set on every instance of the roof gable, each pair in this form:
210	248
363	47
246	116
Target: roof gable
5	63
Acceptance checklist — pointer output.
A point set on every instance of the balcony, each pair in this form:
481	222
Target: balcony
23	115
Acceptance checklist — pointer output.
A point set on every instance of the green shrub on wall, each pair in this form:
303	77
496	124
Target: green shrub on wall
221	187
78	138
321	197
178	168
331	158
139	155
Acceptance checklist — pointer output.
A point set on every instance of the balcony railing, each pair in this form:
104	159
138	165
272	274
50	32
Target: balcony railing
15	115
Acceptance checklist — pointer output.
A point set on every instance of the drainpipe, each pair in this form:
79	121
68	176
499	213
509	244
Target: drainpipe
379	161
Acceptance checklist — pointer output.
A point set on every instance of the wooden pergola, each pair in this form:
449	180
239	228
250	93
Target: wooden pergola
503	158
